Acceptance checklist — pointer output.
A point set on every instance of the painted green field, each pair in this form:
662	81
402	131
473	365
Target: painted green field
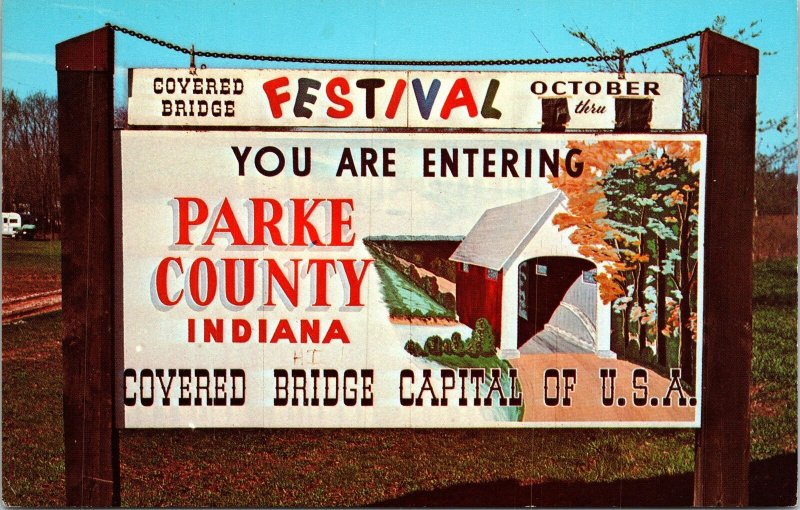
403	298
400	467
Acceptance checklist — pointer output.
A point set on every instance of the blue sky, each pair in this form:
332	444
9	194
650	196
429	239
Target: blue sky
388	30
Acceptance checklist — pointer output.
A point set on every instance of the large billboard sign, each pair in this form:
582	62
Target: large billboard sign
407	279
281	98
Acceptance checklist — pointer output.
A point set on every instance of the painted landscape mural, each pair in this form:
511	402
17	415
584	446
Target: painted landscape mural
636	214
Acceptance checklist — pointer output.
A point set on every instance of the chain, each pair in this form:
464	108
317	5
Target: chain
663	44
348	61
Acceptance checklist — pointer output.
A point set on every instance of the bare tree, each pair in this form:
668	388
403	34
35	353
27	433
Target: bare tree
30	158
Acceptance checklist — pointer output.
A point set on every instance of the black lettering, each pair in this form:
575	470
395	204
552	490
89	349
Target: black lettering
298	386
350	394
220	378
406	374
508	161
447	375
237	374
570	376
307	159
488	161
538	87
607	376
487	110
573	170
165	389
427	162
327	374
129	373
495	386
278	154
639	383
477	375
550	375
426	386
238	86
143	375
303	97
369	86
346	163
550	163
241	157
388	161
202	374
367	378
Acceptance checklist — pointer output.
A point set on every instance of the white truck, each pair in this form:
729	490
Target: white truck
12	223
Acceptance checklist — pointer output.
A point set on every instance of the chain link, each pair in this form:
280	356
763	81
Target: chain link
348	61
663	44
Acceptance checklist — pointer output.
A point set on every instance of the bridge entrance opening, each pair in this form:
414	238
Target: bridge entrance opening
557	305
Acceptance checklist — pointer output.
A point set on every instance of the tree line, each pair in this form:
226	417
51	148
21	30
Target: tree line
636	215
30	159
31	178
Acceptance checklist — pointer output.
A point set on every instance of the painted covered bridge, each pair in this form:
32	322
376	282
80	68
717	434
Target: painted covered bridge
525	276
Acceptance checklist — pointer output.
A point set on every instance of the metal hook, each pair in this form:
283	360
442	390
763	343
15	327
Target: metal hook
621	68
192	68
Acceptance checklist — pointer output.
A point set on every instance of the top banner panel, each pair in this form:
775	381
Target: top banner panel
280	98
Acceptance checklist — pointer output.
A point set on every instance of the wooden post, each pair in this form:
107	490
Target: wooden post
85	68
728	70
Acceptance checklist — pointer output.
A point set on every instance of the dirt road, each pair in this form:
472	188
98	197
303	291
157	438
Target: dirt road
33	304
586	399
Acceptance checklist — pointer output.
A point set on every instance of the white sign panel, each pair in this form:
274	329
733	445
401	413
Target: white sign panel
409	280
396	99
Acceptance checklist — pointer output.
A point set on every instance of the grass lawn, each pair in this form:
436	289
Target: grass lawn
30	266
352	467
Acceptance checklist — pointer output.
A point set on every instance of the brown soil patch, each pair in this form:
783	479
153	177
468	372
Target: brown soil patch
22	283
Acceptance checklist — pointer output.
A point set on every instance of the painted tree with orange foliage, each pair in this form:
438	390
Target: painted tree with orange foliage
634	210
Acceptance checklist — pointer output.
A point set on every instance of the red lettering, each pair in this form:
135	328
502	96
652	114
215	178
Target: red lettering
283	332
394	101
320	267
195	275
161	281
277	276
309	331
340	218
346	106
275	98
212	330
354	280
184	220
240	330
302	224
460	95
336	332
231	226
260	223
231	279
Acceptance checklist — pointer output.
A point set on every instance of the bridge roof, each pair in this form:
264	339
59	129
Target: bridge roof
500	231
